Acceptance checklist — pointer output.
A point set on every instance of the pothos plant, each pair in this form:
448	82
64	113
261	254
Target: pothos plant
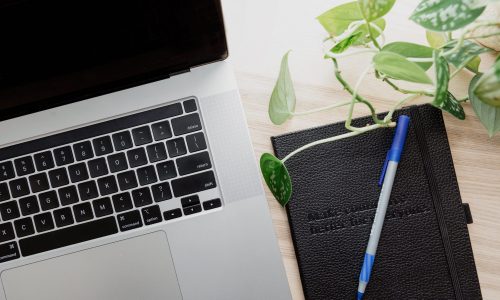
358	27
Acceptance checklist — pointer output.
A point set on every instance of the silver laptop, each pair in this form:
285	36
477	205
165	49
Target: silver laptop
126	168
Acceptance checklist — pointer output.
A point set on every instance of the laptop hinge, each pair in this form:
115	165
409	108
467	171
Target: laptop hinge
179	72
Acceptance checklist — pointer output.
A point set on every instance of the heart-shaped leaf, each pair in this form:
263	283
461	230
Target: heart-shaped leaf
282	103
411	50
464	54
446	15
336	20
487	114
346	43
398	67
435	39
444	99
487	88
276	177
374	9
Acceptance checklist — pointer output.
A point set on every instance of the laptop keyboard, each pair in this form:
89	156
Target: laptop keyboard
106	178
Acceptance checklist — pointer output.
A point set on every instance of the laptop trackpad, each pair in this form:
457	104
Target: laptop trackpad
136	268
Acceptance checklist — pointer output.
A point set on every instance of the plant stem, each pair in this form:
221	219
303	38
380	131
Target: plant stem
353	101
464	99
338	137
346	54
374	40
405	91
463	35
388	117
302	113
348	88
420	59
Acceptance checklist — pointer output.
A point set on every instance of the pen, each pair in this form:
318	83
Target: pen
386	180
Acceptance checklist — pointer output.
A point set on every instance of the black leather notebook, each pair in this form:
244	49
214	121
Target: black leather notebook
424	250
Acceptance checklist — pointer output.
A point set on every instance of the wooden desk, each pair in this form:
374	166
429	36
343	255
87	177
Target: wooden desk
260	31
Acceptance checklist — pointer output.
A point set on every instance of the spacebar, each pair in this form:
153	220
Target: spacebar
68	236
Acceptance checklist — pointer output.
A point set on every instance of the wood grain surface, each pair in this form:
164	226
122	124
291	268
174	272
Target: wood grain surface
260	31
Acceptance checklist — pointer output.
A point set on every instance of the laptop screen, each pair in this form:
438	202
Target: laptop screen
54	52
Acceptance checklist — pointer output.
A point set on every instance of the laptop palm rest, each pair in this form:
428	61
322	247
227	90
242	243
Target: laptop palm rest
136	268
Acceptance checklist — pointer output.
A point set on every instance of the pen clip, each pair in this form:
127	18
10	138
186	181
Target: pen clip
384	169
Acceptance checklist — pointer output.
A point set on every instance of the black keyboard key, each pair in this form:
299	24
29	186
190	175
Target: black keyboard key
127	180
102	207
43	222
9	210
83	150
63	217
58	177
142	197
211	204
88	190
48	200
172	214
68	236
190	201
189	105
186	124
78	172
4	192
122	140
161	192
157	152
196	142
129	220
44	161
122	202
83	212
64	156
107	185
117	162
193	184
6	171
19	187
193	163
151	215
24	227
6	232
102	145
98	167
24	166
9	251
192	210
137	157
176	147
142	135
161	130
39	182
166	170
29	205
147	175
68	195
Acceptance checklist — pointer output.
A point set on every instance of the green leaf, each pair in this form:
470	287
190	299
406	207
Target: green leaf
435	39
276	177
374	9
346	43
336	20
444	99
411	50
282	103
473	64
465	54
445	15
398	67
487	88
487	114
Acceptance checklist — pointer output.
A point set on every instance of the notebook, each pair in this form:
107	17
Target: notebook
424	250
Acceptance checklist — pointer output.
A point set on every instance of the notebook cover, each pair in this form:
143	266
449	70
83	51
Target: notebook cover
424	250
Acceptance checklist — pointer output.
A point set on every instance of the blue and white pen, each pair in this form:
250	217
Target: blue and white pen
387	178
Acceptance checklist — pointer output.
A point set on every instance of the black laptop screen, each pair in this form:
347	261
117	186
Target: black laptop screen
54	52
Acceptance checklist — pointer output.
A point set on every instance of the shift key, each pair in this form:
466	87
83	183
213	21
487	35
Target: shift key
193	184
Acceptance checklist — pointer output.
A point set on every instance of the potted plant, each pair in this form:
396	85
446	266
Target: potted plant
452	29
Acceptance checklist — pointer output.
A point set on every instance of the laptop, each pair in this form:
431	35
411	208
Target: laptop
126	168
